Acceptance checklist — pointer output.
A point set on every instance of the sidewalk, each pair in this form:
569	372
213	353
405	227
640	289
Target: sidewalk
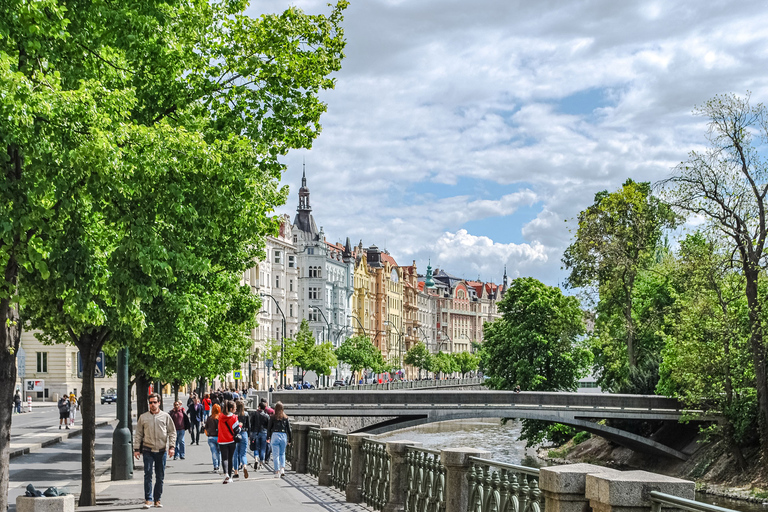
190	484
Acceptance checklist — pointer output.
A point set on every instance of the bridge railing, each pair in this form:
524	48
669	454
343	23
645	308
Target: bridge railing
413	384
401	475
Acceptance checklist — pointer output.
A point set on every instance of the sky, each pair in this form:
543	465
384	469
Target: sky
472	133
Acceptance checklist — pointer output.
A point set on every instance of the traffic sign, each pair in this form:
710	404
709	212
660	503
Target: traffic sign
268	363
98	372
237	375
21	362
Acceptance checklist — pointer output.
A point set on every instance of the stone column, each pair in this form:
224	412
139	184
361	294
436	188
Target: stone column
628	491
457	464
564	487
300	451
326	456
354	488
398	475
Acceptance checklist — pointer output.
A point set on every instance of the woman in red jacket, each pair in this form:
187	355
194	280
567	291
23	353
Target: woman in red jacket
228	429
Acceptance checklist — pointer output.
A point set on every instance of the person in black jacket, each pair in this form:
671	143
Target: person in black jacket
195	412
258	422
279	436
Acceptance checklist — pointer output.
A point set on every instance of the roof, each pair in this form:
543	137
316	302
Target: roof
389	259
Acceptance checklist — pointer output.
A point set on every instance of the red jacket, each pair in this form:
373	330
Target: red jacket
207	404
225	436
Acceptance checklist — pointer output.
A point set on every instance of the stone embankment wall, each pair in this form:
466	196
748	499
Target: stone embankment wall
346	424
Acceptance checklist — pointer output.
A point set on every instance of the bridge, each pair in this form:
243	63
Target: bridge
416	407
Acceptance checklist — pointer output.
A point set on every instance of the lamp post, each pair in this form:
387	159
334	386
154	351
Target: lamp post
399	343
320	310
360	324
282	337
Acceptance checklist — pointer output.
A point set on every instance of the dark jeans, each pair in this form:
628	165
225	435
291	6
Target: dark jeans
261	446
194	432
227	453
156	460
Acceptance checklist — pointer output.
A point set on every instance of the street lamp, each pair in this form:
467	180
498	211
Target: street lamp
282	338
360	324
399	343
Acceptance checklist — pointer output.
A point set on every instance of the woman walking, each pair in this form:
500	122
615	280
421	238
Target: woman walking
279	436
228	429
241	451
212	431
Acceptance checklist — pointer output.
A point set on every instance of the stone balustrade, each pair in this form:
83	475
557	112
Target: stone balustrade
400	476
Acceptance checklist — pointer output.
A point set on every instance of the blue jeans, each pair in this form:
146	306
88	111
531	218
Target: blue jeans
261	446
213	444
156	460
279	443
179	444
241	452
206	414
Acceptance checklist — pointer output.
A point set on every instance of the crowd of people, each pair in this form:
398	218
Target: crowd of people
230	429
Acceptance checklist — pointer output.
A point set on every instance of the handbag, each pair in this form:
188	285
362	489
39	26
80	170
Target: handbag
252	444
187	423
237	436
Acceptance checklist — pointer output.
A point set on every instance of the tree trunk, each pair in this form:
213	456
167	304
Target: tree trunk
10	337
89	345
175	393
758	358
142	390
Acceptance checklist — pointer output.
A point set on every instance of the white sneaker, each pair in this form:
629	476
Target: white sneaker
282	471
226	480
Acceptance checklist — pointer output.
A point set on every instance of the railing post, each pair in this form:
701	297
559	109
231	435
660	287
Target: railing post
398	475
628	491
564	487
457	464
300	452
324	476
354	490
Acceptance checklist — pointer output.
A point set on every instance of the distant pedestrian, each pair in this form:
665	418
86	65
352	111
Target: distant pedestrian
241	451
63	406
258	421
181	423
206	406
212	431
279	436
229	428
74	406
195	414
154	433
517	388
17	402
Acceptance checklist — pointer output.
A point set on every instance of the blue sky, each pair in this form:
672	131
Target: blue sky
469	132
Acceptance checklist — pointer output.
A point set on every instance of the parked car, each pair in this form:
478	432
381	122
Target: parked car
109	396
338	383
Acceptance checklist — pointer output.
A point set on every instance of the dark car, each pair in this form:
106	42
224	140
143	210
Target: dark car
109	396
338	383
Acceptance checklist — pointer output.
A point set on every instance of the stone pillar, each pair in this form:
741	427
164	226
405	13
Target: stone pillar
457	464
564	487
300	451
398	475
628	491
354	488
326	456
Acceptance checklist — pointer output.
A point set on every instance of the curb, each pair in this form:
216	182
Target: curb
18	452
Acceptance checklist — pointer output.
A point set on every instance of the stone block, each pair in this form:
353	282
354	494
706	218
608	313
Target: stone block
45	504
627	490
564	487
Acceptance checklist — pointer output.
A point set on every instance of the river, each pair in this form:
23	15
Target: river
502	440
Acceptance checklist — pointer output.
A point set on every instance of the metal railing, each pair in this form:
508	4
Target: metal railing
342	459
508	488
314	451
375	474
413	384
659	498
426	481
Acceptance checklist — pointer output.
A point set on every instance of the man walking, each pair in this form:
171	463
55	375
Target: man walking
195	417
154	433
180	421
63	411
17	402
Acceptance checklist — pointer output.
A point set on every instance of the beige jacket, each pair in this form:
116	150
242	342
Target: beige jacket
154	432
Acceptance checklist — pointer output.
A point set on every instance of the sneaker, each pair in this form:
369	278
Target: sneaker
175	458
147	504
67	427
59	427
226	480
236	475
158	504
182	458
245	472
277	474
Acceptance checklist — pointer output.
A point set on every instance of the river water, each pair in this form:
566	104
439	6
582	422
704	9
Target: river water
504	444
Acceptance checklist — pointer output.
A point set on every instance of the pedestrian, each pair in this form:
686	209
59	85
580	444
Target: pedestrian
206	406
212	431
63	406
17	402
279	436
229	428
258	422
181	423
154	433
195	413
241	451
74	406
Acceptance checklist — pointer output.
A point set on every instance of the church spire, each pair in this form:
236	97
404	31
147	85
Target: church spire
428	281
304	192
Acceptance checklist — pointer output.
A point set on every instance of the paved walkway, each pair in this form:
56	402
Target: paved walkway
190	484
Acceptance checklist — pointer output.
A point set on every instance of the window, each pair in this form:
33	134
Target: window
310	250
42	362
295	238
314	293
314	316
291	261
277	281
290	309
278	257
290	285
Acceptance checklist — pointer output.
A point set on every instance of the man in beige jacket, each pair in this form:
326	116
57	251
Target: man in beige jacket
154	433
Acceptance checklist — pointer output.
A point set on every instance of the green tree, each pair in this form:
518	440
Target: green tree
443	363
418	356
535	344
706	357
310	355
140	142
466	362
359	353
727	184
616	239
283	354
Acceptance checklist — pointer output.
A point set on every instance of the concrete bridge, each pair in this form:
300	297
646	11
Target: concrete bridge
406	408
